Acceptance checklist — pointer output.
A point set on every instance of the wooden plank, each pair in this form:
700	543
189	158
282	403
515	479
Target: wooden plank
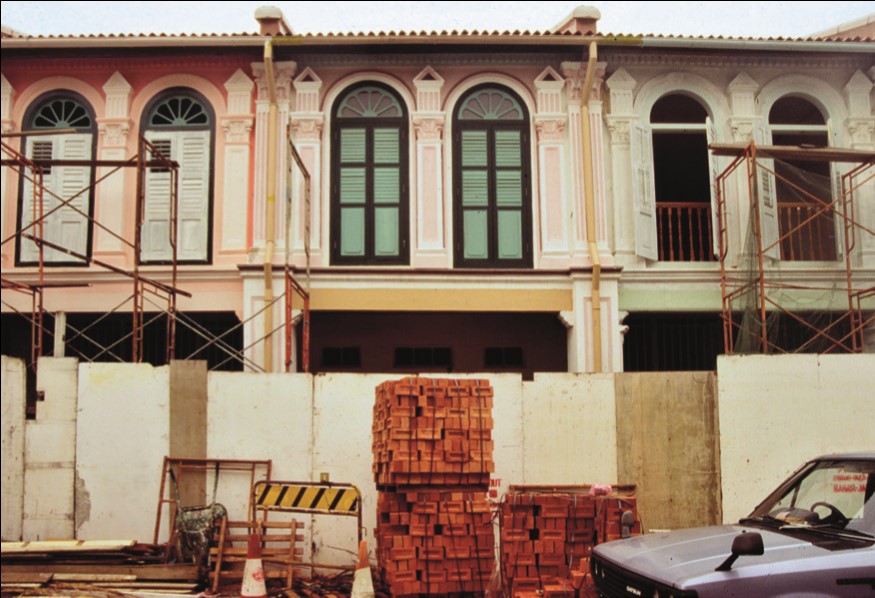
142	572
94	577
53	546
151	585
30	577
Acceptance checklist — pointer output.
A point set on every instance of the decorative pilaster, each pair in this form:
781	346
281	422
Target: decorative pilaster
307	123
742	101
429	121
619	122
283	72
861	123
575	73
551	124
743	122
114	127
237	127
861	127
7	126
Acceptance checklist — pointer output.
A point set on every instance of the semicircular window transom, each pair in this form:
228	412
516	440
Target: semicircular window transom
369	102
179	111
491	104
62	113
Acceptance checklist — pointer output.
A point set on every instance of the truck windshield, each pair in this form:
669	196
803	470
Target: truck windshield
834	493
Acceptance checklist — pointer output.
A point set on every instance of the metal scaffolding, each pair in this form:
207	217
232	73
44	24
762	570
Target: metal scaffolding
33	171
758	287
150	299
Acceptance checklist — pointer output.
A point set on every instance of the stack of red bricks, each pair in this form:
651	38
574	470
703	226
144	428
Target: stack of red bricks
433	432
544	536
432	444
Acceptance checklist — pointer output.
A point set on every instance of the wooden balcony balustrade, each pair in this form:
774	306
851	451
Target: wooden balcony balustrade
684	231
807	234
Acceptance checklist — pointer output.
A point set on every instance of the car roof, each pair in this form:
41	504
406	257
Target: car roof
863	456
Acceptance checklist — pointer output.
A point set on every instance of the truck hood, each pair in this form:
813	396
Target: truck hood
687	558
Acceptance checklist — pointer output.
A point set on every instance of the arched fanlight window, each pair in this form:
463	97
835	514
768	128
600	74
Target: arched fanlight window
179	126
491	104
67	196
369	173
179	111
491	172
62	113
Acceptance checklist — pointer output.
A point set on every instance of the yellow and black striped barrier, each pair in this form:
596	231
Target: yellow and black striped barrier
338	499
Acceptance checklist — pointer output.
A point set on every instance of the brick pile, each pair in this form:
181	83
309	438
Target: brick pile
546	536
433	432
432	445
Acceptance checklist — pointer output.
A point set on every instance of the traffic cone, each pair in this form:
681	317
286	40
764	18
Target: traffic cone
362	584
253	573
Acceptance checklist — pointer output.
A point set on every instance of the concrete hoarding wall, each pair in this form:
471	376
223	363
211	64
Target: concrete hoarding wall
13	418
778	411
774	412
569	430
667	444
259	417
123	436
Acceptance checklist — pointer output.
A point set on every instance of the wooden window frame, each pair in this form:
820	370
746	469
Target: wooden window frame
146	127
30	116
491	127
369	124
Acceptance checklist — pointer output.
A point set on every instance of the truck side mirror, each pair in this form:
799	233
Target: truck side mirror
627	522
744	544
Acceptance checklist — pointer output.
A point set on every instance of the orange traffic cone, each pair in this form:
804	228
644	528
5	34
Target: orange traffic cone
363	584
253	573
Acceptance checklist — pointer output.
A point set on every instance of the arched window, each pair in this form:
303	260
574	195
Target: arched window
675	198
803	188
491	174
369	174
67	196
179	124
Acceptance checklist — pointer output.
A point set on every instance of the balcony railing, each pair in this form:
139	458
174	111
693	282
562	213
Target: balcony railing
806	235
684	230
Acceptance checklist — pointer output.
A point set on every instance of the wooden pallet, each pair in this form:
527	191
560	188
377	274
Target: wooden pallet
280	552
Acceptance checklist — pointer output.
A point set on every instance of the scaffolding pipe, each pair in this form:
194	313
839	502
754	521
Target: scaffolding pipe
270	212
589	202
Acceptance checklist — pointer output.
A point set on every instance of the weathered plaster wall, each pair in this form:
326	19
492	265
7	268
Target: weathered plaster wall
667	445
778	411
123	436
12	383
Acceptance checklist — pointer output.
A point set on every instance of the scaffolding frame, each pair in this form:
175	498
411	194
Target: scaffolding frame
747	162
147	292
34	172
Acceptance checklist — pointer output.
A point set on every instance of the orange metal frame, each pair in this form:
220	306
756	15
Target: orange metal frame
734	284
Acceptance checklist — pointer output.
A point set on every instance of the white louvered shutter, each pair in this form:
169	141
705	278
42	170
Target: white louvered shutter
643	191
191	150
768	197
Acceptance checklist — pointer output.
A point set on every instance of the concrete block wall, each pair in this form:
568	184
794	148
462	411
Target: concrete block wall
50	453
